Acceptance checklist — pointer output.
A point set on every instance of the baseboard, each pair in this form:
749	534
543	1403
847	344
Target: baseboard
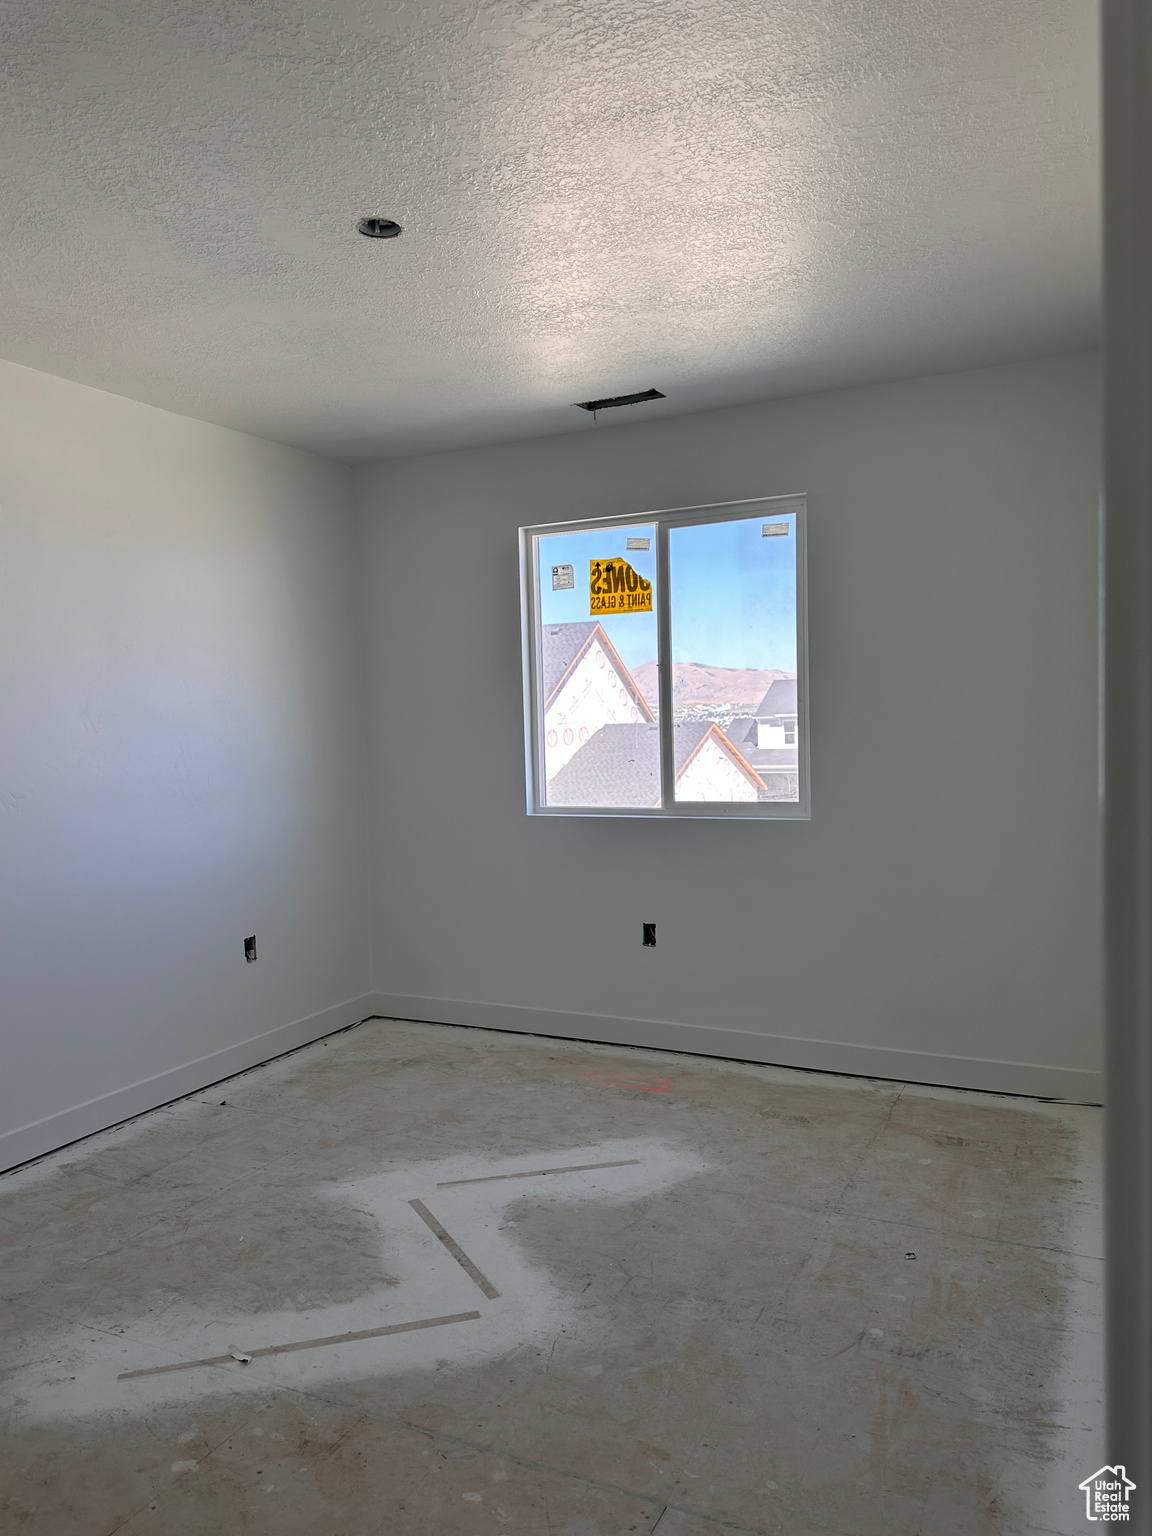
53	1131
1072	1084
1030	1079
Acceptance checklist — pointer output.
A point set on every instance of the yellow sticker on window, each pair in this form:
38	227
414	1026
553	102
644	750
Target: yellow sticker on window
616	588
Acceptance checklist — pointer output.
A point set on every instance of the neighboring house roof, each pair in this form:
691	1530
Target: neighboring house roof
742	731
779	700
687	740
562	648
691	736
620	764
617	765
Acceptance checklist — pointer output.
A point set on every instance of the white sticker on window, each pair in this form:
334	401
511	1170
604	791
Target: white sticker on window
639	544
562	578
775	530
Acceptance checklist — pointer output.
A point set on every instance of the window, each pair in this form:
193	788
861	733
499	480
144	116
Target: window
665	664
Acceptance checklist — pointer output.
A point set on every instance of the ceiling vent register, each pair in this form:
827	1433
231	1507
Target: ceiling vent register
611	401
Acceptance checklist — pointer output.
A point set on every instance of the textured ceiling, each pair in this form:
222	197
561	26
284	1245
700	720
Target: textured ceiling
726	199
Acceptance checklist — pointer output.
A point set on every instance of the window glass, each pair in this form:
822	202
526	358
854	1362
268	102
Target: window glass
599	688
665	663
732	593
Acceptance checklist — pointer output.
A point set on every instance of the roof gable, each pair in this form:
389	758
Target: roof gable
564	646
690	738
619	765
561	646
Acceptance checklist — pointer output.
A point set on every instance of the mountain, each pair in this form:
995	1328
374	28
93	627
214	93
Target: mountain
694	683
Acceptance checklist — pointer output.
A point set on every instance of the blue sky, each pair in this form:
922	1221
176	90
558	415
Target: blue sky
633	634
733	591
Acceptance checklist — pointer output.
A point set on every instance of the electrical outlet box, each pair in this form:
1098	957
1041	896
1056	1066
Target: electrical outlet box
250	949
649	940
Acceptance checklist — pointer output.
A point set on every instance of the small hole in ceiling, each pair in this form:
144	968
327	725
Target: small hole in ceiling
379	229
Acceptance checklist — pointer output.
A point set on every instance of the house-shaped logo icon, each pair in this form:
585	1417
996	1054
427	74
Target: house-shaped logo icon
1106	1494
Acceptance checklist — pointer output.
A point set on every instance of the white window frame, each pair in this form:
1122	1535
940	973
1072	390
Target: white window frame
713	512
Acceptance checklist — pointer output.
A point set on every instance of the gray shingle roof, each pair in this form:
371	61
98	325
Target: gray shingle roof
686	738
780	698
620	765
562	645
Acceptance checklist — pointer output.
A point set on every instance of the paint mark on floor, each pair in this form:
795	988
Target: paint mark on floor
538	1173
287	1349
70	1370
967	1141
455	1250
615	1080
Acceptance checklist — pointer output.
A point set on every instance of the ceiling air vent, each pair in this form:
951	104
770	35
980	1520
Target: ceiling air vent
613	400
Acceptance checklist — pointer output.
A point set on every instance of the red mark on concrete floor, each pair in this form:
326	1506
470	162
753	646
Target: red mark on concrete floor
614	1080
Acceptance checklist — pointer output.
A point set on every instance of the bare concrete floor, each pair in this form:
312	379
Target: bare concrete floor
783	1302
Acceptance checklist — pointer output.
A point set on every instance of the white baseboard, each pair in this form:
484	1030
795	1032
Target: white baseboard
1075	1085
1072	1084
67	1125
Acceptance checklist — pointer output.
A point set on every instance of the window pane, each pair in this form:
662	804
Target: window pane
599	680
734	644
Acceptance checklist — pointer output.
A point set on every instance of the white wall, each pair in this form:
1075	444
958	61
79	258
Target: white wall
181	756
182	751
939	915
